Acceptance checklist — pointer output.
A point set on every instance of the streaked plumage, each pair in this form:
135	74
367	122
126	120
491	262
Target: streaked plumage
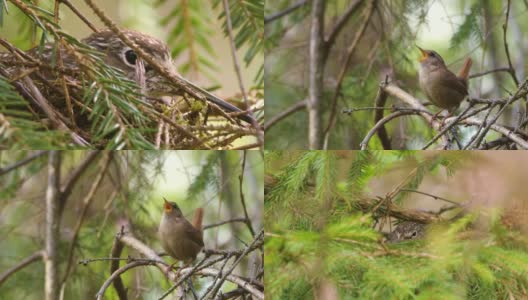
120	56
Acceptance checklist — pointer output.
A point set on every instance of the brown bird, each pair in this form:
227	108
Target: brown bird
179	238
406	231
116	54
443	88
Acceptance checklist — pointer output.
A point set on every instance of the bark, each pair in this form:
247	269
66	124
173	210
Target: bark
52	226
316	74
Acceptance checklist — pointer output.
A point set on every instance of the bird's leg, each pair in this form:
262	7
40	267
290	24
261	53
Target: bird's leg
167	270
435	116
450	113
185	265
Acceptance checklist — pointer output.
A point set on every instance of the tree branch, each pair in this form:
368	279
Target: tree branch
341	76
285	113
229	28
88	198
202	268
285	12
366	205
339	25
242	198
316	62
51	286
74	178
25	262
414	103
511	70
22	162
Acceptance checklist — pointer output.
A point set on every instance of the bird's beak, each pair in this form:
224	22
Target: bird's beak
424	54
166	205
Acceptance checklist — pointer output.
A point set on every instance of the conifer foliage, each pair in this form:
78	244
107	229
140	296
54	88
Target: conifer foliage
327	213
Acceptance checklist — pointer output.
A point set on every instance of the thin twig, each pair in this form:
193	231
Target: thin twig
74	177
431	195
234	264
502	69
364	143
506	49
447	128
350	52
242	198
79	14
235	220
395	91
88	198
285	113
340	24
24	263
22	162
117	274
285	12
229	26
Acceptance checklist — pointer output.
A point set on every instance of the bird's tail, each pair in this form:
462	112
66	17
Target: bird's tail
464	72
197	219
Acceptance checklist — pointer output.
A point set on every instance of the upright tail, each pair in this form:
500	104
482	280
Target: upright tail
197	219
464	72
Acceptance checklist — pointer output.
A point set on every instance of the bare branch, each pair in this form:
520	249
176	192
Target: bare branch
285	12
475	75
285	113
202	268
511	70
88	198
25	262
381	99
117	273
242	199
241	220
340	24
414	103
22	162
316	62
51	286
381	123
230	270
341	76
79	14
74	177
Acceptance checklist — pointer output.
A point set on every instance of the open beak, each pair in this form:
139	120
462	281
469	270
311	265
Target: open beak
166	205
424	54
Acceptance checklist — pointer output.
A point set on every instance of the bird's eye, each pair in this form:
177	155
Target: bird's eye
131	57
432	54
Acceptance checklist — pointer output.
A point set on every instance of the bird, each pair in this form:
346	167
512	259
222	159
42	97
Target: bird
407	230
178	237
118	55
443	88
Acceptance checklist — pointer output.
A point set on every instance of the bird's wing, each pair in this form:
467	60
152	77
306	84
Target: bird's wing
194	234
453	82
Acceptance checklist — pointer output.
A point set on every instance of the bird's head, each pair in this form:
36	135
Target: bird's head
122	57
171	209
430	57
